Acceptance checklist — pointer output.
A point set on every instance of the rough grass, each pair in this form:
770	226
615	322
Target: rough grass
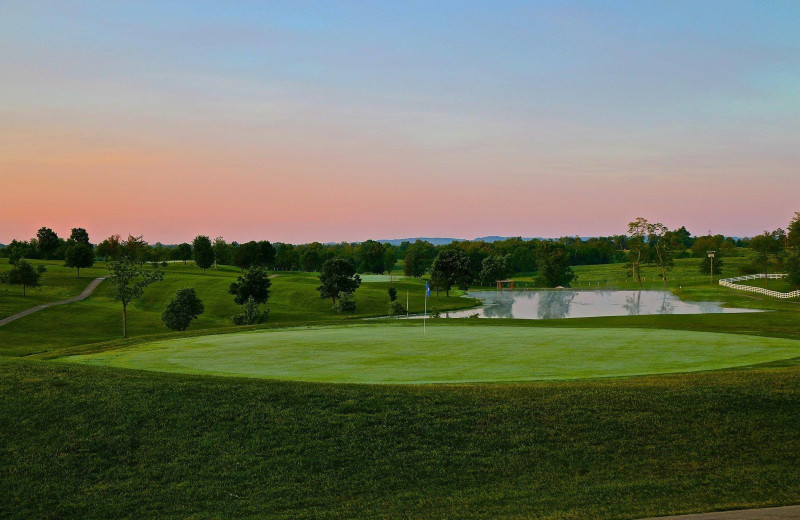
89	442
447	353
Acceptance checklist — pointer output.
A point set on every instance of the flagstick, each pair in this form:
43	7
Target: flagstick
425	316
406	303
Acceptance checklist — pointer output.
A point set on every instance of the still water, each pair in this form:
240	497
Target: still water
545	305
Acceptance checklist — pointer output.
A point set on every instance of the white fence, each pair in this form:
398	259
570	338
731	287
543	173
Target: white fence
730	282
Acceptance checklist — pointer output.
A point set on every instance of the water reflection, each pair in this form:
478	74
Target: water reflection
554	304
580	304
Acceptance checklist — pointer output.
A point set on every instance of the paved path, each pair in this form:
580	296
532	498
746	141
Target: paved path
772	513
82	296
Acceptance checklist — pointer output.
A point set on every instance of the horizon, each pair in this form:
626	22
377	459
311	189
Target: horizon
318	122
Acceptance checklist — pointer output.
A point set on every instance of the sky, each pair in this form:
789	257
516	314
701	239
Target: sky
341	121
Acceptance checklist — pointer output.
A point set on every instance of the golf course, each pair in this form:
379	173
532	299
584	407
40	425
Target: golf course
316	414
446	353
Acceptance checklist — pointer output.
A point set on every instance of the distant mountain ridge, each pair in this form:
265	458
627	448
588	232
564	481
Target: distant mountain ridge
440	241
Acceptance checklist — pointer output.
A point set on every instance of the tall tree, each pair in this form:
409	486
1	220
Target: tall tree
47	241
768	247
370	257
79	236
79	255
337	276
493	268
450	267
110	248
552	265
203	252
221	252
793	236
183	252
245	255
182	310
129	282
253	284
418	258
25	274
265	254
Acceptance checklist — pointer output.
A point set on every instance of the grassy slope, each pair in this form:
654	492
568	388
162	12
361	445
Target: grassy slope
380	353
86	442
96	442
99	318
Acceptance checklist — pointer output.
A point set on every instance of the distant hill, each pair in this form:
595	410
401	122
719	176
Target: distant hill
439	241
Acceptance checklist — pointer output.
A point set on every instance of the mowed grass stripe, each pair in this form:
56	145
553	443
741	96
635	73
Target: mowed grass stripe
382	353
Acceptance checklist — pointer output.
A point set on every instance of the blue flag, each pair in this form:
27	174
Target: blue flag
427	289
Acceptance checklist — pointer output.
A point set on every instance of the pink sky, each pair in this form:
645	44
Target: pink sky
292	124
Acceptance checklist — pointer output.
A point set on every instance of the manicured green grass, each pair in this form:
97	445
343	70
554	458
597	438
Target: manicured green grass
58	283
446	353
92	442
294	300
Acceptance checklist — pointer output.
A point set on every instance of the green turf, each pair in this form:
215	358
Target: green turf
294	300
94	442
447	353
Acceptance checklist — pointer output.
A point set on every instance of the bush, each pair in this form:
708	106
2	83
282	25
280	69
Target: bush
182	309
392	294
346	302
396	308
251	314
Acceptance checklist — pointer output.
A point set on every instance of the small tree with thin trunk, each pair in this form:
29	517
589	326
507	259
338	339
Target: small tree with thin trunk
79	255
203	252
182	310
129	282
25	274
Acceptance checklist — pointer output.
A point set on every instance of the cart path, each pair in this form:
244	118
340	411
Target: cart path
82	296
771	513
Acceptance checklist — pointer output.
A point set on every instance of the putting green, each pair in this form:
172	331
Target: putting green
447	353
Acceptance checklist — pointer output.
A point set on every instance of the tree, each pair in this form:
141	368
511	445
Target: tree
662	247
79	236
221	251
338	276
345	303
793	236
17	250
370	256
135	248
109	248
493	268
265	254
312	256
25	275
637	247
553	266
287	257
79	255
47	241
792	265
183	252
251	314
418	258
767	246
392	294
182	310
450	267
254	284
245	255
203	252
129	282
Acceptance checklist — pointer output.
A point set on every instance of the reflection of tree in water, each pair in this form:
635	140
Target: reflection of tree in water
666	305
554	304
500	308
633	303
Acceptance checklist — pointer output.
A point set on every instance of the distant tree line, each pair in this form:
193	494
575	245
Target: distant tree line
458	264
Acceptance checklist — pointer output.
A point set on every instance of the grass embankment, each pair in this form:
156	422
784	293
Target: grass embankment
446	353
294	300
88	442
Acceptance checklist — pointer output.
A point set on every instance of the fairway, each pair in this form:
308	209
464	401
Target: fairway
446	353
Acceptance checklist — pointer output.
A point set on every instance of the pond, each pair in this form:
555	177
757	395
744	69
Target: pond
545	305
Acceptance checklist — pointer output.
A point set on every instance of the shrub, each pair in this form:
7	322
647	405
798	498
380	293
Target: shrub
251	314
346	302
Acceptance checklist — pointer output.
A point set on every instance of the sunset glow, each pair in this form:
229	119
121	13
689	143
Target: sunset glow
323	121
